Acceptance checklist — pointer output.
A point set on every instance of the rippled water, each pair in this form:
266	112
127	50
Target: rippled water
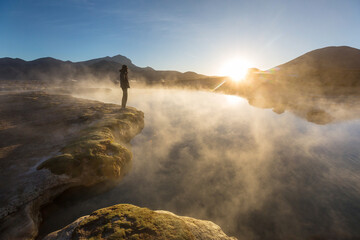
256	173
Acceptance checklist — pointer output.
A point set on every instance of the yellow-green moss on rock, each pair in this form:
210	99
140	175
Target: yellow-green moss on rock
125	221
63	164
99	150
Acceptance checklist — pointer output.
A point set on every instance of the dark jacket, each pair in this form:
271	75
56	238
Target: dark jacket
124	82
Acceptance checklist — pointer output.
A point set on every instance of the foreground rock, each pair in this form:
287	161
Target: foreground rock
49	143
126	221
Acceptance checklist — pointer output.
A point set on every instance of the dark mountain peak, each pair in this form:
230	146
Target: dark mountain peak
117	59
46	60
7	60
121	59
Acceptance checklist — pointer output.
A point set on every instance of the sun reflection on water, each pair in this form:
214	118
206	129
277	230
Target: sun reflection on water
233	100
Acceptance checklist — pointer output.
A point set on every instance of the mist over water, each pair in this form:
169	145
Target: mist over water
257	174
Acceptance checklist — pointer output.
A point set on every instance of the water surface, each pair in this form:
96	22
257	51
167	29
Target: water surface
256	173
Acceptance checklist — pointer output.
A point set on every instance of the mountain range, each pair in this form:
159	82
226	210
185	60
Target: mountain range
100	68
329	66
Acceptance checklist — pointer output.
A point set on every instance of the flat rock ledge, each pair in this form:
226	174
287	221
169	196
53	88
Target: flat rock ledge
125	221
51	142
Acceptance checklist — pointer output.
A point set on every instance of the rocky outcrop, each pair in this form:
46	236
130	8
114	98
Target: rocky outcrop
49	143
126	221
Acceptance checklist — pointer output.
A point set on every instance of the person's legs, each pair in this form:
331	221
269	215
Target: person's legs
124	98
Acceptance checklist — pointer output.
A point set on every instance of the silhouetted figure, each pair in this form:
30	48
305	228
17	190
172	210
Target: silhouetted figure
124	84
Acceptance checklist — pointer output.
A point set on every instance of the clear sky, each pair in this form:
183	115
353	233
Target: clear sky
184	35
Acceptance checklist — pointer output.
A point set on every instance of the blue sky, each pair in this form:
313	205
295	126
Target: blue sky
176	35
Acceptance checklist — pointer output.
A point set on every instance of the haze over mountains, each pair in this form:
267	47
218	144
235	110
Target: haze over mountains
329	66
314	86
106	68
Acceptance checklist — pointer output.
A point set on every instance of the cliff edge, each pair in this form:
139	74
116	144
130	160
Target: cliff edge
51	142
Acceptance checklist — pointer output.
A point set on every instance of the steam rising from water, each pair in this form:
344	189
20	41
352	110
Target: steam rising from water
257	174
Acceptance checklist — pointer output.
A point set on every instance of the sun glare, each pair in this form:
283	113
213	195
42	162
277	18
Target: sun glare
236	69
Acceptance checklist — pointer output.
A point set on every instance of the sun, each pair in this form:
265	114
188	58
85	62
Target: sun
236	69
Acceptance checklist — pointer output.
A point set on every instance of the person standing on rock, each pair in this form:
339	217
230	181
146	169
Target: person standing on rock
124	84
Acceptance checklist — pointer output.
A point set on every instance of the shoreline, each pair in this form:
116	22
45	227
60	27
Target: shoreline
62	117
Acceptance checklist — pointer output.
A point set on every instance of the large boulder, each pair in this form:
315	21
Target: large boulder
125	221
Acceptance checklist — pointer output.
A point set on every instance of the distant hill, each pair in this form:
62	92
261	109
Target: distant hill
329	66
50	69
316	86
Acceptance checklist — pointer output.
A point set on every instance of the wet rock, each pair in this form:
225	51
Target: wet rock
319	116
51	142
